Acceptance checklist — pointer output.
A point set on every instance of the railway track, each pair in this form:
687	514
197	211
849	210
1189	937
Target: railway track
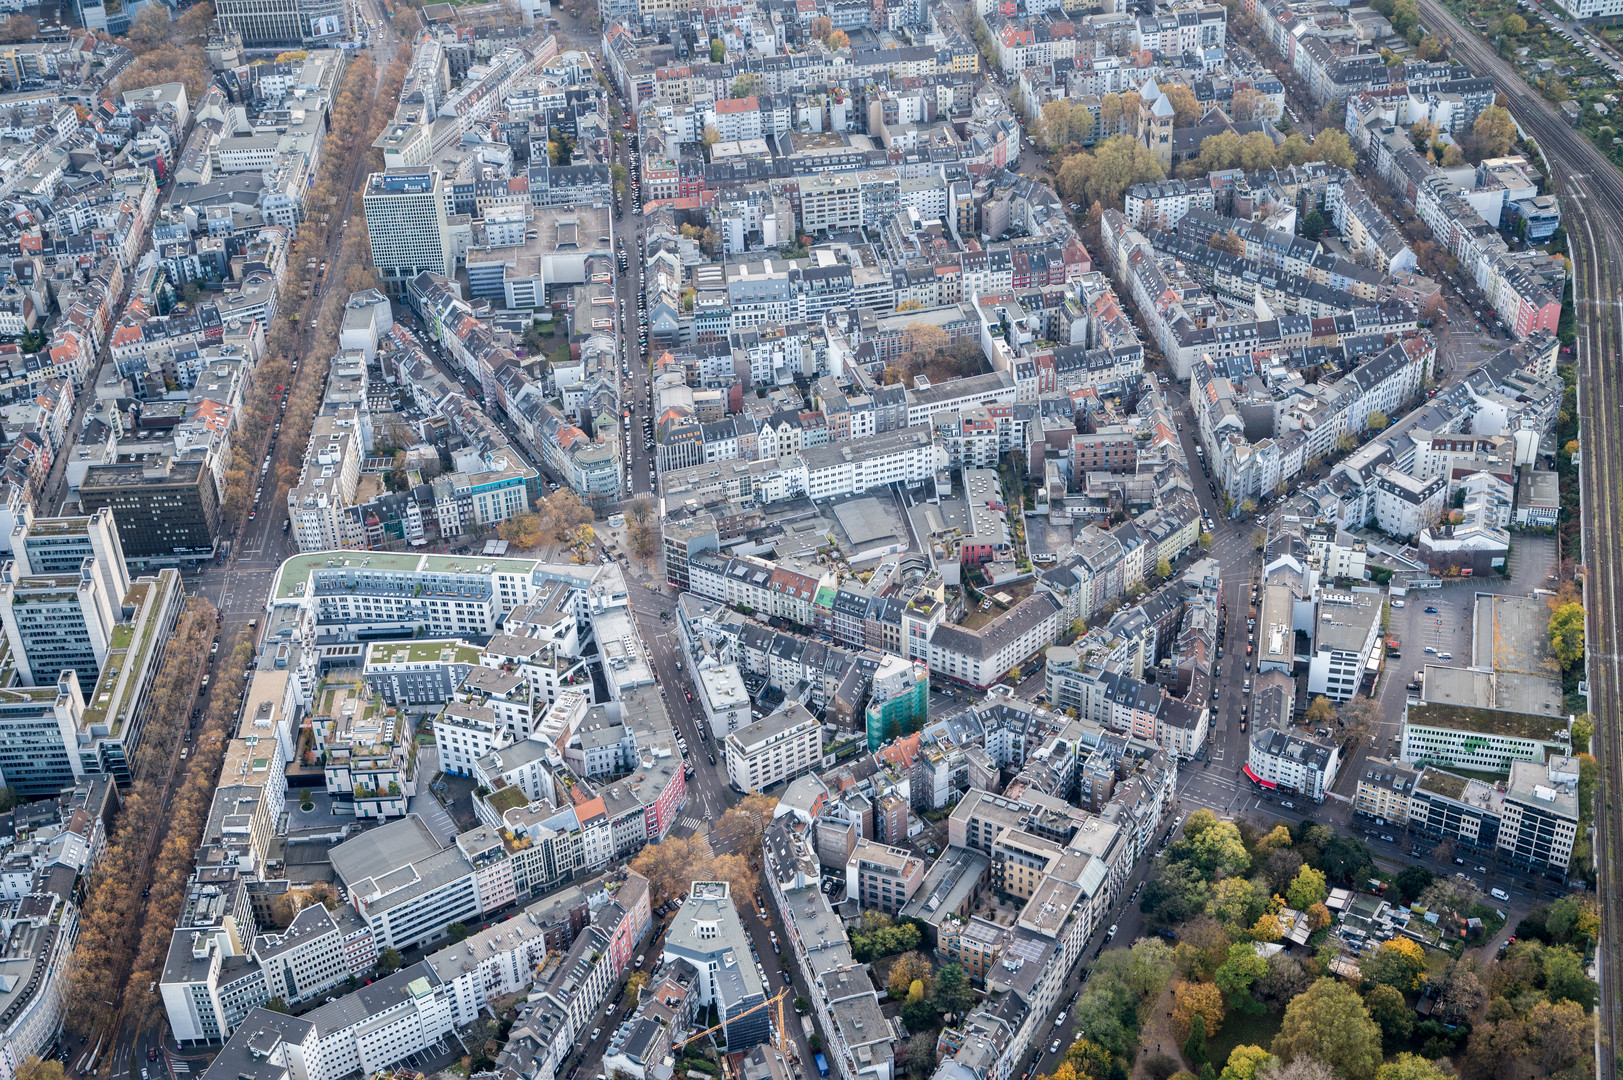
1591	191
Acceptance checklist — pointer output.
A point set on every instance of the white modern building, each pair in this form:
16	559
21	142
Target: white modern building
405	884
1344	636
775	748
1485	740
407	226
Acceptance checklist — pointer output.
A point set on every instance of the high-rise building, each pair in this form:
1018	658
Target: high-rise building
61	545
38	726
57	622
166	508
405	219
54	734
285	22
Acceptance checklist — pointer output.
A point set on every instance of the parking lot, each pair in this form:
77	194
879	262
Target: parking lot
1433	627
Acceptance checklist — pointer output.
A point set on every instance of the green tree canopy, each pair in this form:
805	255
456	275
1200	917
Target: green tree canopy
953	994
1411	882
1220	850
1399	963
1194	1047
1244	1062
1328	1022
1308	889
1391	1014
1567	634
1237	974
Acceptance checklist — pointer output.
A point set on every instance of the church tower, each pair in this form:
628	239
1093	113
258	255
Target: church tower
1156	128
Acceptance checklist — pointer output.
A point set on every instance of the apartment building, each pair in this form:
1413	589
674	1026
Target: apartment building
882	877
1292	763
981	657
1385	791
773	749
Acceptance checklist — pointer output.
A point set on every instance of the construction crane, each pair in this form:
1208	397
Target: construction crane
775	1002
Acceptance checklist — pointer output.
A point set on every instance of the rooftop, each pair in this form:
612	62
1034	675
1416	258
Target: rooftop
1511	725
453	651
1509	635
1507	691
131	652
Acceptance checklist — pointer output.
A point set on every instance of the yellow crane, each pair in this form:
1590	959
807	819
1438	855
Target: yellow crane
775	1002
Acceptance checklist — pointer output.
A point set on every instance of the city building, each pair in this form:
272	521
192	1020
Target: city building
406	223
1385	791
1344	637
1482	740
166	511
262	23
773	749
708	934
405	884
57	622
1292	763
898	699
882	877
1541	818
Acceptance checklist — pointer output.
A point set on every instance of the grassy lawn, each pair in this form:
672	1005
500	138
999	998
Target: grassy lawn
1241	1029
1437	961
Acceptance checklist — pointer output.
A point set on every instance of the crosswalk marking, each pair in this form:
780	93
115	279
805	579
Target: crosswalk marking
178	1067
691	823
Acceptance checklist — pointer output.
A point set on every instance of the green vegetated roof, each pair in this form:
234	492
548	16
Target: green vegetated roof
1515	725
508	798
103	703
451	651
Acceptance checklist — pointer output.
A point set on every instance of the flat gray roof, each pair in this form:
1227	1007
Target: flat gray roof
379	851
415	981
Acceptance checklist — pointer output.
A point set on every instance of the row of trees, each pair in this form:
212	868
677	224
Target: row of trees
121	933
190	805
1567	628
360	108
643	528
114	919
1230	150
1103	174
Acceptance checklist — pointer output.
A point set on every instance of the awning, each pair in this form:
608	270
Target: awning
1255	779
